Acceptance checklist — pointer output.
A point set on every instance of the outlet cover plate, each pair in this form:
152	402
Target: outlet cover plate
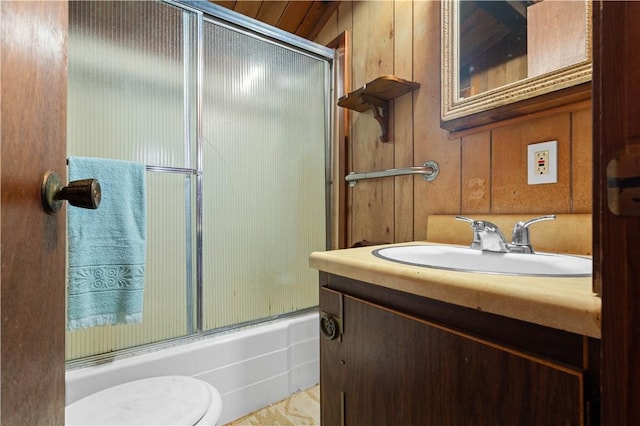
551	168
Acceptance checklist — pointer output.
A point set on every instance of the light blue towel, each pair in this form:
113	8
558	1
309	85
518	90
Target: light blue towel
107	246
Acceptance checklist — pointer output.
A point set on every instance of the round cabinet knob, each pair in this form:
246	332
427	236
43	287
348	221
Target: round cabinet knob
85	193
329	327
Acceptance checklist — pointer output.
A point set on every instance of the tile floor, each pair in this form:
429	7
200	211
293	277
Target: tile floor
302	408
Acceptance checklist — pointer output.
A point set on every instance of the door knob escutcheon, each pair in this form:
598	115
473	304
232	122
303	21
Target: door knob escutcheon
84	193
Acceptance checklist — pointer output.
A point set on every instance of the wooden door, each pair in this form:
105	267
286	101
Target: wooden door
34	95
616	106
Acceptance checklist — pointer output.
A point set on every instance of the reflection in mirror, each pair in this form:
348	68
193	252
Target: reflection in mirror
500	52
493	45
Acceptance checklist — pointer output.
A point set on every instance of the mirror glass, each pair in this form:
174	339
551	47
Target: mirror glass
495	53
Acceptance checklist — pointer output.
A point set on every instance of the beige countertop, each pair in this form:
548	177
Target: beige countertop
562	303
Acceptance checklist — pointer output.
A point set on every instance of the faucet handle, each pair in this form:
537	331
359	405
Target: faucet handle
480	225
536	219
465	219
520	240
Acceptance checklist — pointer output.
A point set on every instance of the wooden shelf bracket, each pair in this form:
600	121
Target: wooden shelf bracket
380	108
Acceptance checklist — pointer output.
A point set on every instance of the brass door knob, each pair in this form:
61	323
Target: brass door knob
84	193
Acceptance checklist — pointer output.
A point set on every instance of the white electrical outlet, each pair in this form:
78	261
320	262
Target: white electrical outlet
542	163
541	159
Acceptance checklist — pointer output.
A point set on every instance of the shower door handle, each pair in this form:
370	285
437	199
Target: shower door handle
84	193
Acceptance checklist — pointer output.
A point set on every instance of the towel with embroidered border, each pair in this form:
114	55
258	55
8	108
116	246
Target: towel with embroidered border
107	246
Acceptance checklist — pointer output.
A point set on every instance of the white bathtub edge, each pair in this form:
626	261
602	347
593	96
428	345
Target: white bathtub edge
251	368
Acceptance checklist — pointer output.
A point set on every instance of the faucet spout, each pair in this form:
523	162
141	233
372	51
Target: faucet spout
486	236
491	237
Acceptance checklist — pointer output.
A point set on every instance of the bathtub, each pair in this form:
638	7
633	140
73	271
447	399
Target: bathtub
251	368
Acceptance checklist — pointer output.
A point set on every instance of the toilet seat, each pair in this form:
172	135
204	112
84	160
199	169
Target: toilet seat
165	400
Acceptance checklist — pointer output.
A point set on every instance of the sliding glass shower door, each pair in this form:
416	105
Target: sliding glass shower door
233	129
263	144
129	87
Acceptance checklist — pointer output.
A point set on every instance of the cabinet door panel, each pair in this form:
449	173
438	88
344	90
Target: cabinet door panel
402	371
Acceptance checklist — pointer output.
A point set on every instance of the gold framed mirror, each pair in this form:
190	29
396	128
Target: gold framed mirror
505	58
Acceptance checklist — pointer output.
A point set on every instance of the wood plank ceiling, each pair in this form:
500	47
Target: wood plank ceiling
299	17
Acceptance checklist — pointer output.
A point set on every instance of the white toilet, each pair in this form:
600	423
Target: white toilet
164	400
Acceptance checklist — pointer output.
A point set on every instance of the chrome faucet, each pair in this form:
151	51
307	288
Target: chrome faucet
488	237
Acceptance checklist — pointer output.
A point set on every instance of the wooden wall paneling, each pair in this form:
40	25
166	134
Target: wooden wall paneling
293	14
329	32
430	141
582	161
372	200
248	8
345	19
402	138
314	20
379	210
476	174
373	34
403	40
271	14
403	157
510	191
228	4
304	18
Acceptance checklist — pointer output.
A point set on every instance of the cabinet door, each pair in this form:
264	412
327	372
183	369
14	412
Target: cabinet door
399	370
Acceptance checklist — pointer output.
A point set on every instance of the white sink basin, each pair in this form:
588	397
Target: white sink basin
469	260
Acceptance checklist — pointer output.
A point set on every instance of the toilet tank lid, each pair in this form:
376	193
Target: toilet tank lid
164	400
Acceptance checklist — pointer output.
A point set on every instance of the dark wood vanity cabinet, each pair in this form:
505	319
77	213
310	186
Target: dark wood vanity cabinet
400	359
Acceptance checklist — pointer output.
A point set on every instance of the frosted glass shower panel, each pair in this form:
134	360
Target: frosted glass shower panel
132	80
131	96
264	177
167	293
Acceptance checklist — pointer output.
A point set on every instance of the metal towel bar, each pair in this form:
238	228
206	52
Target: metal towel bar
429	172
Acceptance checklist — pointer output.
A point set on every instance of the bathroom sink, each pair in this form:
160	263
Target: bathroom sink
465	259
